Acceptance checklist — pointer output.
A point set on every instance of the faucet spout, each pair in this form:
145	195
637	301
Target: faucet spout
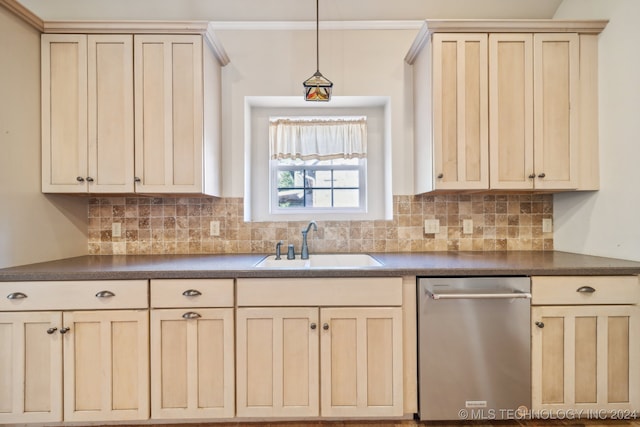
305	247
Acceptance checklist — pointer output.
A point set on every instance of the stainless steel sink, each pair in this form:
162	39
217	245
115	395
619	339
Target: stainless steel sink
326	261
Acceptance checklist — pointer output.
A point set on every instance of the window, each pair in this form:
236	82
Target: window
318	185
318	164
260	167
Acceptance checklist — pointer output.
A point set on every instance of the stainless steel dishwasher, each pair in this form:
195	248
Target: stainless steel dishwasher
474	347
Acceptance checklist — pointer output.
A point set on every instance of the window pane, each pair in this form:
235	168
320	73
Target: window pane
319	199
346	198
346	178
323	179
290	198
286	179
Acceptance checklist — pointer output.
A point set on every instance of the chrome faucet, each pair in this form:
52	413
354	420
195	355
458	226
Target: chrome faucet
305	247
278	249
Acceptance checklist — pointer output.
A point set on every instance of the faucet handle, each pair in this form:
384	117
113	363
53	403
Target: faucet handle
291	254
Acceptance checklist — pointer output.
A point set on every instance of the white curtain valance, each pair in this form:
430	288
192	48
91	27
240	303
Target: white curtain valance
318	138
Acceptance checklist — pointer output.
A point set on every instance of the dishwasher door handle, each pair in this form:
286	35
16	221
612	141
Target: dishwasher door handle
521	295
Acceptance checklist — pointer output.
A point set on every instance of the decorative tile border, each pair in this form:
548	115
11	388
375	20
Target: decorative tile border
180	225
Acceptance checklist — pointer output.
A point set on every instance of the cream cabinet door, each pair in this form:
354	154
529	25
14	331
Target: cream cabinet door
533	103
585	357
106	365
110	113
30	367
277	362
64	113
511	111
361	362
460	119
87	113
168	113
192	363
556	83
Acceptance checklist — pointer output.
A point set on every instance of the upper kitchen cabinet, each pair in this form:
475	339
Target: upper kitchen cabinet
533	110
506	105
87	113
136	112
177	82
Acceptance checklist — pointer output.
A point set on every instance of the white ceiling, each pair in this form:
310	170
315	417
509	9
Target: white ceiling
290	10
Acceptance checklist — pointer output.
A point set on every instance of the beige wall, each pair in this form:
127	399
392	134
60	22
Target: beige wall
33	227
607	222
276	62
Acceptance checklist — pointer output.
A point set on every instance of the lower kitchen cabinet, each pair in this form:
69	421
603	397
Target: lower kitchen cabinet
74	351
277	358
106	365
584	350
192	363
30	367
361	362
584	357
352	356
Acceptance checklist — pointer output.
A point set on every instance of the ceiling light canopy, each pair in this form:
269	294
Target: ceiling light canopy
317	87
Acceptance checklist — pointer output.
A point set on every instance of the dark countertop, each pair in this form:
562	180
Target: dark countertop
122	267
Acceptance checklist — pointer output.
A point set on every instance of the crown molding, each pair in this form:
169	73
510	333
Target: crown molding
23	13
311	25
431	26
130	27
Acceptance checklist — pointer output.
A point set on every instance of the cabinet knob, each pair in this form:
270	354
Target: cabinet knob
440	175
191	315
64	330
533	175
586	289
79	179
313	326
89	179
51	330
105	294
137	179
192	293
325	326
540	325
542	175
16	295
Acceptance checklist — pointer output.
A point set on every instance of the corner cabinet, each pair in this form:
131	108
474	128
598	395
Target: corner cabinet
585	343
125	113
297	356
502	105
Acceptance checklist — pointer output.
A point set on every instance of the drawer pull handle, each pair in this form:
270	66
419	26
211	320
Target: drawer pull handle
105	294
51	330
191	315
540	325
586	289
16	295
64	330
192	293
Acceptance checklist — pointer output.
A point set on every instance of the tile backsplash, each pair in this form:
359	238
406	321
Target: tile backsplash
180	225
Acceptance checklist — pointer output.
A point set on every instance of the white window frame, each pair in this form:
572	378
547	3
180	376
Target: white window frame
258	110
275	167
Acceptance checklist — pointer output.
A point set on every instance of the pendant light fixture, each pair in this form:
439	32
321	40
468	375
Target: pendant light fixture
317	87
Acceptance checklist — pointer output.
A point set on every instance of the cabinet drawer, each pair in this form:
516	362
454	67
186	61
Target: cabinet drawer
170	293
361	291
563	290
74	295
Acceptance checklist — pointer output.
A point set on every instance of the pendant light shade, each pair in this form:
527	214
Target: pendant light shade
317	87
